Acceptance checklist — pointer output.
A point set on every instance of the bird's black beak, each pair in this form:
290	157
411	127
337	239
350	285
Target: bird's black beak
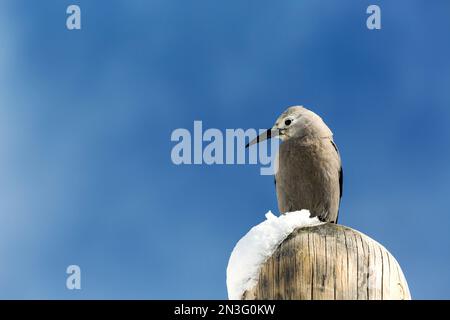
266	135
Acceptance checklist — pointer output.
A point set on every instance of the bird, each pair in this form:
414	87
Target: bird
309	173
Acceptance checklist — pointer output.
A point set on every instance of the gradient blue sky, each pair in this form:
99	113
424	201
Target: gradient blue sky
86	116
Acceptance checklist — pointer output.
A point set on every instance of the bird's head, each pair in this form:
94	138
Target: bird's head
296	122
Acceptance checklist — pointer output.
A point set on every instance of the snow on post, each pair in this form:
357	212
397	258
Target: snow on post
258	245
297	257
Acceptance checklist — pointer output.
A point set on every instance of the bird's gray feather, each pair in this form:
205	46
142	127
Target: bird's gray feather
309	177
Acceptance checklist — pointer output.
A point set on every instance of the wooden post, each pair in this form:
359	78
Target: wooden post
330	261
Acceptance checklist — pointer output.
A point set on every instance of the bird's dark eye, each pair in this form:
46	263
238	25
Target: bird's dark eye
288	122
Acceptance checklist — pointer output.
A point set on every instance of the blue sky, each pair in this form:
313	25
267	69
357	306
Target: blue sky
86	117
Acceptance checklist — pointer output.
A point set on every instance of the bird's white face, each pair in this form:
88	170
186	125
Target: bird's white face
299	122
290	123
296	122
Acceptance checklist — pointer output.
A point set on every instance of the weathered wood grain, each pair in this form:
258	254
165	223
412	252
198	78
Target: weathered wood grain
330	262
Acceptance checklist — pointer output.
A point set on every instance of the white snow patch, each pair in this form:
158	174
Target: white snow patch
258	245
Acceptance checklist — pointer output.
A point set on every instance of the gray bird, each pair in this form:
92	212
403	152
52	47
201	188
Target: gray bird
309	174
